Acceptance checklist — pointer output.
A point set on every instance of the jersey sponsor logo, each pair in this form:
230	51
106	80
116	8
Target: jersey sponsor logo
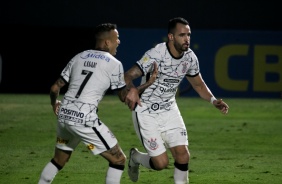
157	106
171	80
95	55
72	113
70	118
165	90
90	64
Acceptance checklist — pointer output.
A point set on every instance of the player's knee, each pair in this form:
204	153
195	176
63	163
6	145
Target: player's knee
182	157
158	164
61	157
188	155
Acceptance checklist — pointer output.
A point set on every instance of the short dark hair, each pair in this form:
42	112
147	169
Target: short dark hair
172	23
102	28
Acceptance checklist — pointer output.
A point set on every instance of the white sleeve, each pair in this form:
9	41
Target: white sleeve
194	67
117	77
67	71
146	62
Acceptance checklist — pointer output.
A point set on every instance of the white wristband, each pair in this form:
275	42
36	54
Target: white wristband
212	99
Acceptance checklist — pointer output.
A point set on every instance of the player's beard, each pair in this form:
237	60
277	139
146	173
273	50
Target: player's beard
180	47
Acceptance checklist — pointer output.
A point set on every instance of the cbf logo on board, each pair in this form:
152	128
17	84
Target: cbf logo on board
265	68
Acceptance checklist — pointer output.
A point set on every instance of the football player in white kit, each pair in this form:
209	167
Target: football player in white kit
158	122
89	75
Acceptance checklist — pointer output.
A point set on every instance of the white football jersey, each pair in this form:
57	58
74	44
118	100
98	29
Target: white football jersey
160	96
89	74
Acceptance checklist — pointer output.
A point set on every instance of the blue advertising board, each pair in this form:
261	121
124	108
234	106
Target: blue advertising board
233	63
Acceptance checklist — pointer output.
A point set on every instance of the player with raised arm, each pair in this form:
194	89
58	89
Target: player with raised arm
158	122
89	75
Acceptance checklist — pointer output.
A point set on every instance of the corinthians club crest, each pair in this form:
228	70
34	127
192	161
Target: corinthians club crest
153	144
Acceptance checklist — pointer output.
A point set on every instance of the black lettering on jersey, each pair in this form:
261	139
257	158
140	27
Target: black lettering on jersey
168	85
72	112
171	80
90	64
168	90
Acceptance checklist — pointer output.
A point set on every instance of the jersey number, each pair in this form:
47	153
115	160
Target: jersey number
88	75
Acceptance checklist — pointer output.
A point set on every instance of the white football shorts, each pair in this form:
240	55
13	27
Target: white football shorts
160	131
97	139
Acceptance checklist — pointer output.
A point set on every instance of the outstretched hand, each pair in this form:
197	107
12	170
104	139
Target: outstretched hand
221	105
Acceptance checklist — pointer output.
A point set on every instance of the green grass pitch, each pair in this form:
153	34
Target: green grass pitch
243	147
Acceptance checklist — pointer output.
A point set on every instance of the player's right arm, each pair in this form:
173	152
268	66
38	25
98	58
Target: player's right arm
135	72
129	76
54	93
130	95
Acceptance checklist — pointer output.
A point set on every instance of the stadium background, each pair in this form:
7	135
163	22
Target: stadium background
238	43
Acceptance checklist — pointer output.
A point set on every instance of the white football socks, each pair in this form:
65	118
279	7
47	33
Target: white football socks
180	177
48	174
113	176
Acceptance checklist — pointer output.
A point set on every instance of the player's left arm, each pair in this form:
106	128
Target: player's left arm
202	89
54	93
